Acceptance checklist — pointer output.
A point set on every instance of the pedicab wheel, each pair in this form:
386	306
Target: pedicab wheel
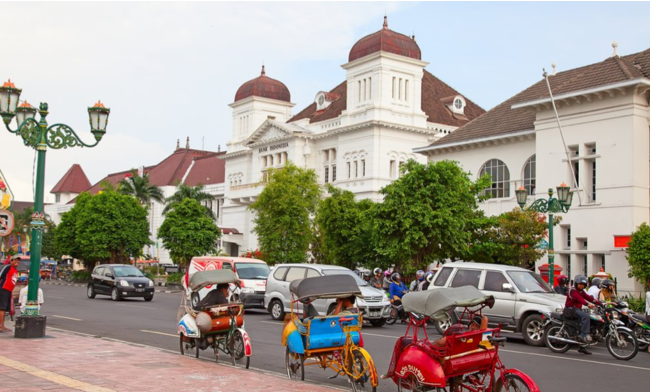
295	364
238	351
554	346
392	317
625	351
215	347
360	372
411	384
514	383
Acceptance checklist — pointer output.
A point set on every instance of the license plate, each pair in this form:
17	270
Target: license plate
139	290
374	314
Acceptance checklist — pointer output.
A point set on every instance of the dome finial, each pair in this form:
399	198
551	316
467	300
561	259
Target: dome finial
614	46
385	22
263	71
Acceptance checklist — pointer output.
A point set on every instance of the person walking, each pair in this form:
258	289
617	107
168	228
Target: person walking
8	278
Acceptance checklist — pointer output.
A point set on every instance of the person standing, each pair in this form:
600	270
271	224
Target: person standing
8	278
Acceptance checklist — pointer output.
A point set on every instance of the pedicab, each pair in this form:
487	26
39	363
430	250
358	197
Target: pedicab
219	327
465	359
333	342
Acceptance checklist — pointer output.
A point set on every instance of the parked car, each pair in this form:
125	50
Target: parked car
375	306
521	296
119	281
252	274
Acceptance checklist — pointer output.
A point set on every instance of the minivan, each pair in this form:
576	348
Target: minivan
251	272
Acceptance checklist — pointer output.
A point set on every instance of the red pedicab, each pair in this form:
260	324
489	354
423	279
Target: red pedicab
468	360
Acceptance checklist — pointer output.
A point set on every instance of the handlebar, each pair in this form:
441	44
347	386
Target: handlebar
345	320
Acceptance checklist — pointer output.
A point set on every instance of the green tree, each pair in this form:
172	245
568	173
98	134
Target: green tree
284	212
427	213
188	232
197	193
49	248
140	188
346	226
66	234
638	255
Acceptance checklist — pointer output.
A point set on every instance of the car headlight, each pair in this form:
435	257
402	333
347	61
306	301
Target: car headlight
247	290
360	302
124	283
150	283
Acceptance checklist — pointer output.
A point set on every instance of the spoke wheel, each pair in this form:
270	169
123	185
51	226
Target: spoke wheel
187	346
215	347
238	351
360	372
392	317
555	346
642	335
410	384
295	364
626	349
513	383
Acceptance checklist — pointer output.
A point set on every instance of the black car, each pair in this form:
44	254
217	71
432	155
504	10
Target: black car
120	281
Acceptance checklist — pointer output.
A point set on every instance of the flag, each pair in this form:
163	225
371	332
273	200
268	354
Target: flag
20	248
27	247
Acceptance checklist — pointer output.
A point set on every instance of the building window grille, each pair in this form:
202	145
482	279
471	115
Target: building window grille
363	168
58	198
568	237
392	168
530	175
500	176
329	165
406	90
369	88
394	82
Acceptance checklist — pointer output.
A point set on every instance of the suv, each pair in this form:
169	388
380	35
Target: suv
374	306
521	296
119	281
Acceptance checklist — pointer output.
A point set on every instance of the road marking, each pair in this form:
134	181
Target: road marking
138	306
576	359
159	333
68	318
52	377
381	336
272	322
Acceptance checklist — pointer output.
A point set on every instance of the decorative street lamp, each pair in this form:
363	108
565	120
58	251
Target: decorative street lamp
39	136
561	204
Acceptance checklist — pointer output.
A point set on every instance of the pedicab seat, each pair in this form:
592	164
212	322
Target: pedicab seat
463	355
326	332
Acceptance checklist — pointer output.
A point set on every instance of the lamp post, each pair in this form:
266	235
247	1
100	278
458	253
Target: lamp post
39	136
552	205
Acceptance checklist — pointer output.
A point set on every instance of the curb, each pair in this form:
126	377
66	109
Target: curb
84	285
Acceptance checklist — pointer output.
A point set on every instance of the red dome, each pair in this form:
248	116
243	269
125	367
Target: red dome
263	86
388	41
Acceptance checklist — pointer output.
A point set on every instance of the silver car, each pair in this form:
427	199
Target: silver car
521	295
375	306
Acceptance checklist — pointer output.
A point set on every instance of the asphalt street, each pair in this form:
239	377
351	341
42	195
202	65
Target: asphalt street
154	324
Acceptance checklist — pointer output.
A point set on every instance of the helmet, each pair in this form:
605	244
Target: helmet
580	279
430	277
394	276
606	283
367	274
376	271
563	279
387	273
596	282
419	274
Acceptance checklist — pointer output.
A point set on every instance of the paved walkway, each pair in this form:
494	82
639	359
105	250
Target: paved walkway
65	361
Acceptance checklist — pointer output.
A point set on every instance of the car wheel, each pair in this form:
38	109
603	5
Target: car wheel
115	294
148	299
533	331
378	323
90	291
276	309
441	326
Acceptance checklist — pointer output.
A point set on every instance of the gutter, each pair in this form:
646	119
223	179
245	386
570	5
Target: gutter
472	141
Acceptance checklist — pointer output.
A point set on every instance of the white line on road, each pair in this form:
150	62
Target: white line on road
159	333
68	318
138	306
576	359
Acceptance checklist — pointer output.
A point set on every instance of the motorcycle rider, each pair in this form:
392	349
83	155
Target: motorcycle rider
428	279
575	300
397	290
387	281
416	285
562	287
607	291
366	276
594	290
377	281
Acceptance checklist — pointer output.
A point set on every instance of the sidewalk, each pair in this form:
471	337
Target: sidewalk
64	361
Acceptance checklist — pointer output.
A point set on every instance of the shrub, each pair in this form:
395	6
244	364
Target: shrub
637	304
175	278
81	276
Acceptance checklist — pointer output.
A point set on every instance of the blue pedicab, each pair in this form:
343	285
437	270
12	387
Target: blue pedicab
333	342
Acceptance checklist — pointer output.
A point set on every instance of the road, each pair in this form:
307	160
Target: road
154	324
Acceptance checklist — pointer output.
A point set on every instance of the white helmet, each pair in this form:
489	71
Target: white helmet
376	271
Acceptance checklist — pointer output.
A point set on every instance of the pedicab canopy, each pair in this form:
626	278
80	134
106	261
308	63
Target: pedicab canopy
333	286
437	303
202	279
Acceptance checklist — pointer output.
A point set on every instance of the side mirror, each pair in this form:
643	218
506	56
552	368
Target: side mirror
507	287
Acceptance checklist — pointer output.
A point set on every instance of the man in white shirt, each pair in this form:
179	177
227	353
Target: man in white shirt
23	299
594	290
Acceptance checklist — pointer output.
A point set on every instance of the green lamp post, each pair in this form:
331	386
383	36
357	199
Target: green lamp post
552	205
39	136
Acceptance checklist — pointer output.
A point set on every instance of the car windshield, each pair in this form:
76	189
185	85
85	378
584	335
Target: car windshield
337	271
252	270
123	272
529	282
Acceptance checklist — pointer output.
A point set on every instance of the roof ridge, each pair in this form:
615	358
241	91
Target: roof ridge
623	67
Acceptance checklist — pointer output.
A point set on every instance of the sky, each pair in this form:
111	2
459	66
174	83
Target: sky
169	70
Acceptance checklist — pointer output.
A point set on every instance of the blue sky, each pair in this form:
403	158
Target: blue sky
169	70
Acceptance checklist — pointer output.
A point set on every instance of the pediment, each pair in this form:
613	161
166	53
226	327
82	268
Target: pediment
271	131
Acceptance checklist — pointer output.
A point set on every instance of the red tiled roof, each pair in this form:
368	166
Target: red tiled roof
433	90
73	181
385	40
207	170
263	86
502	119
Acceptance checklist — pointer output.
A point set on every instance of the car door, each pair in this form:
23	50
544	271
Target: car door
108	280
96	279
321	305
293	274
503	310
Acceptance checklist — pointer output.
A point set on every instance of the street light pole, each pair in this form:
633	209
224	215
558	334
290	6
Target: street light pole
39	136
552	205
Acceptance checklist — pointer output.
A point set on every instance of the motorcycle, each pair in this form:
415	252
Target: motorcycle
561	332
636	323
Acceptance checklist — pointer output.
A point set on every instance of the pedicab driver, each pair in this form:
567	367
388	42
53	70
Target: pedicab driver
345	307
215	297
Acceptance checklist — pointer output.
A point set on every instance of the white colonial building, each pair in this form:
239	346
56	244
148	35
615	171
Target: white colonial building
604	113
355	135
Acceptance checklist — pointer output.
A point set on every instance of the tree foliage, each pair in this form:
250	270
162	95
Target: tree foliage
638	255
108	227
141	188
284	211
197	193
346	226
427	212
49	247
188	232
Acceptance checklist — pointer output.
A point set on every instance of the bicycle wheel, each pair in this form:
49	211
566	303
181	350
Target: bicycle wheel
361	372
238	351
295	364
513	383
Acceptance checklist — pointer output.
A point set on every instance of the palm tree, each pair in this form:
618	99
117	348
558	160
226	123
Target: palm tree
140	188
190	192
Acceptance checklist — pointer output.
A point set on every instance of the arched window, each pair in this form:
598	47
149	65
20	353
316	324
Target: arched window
530	175
498	172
